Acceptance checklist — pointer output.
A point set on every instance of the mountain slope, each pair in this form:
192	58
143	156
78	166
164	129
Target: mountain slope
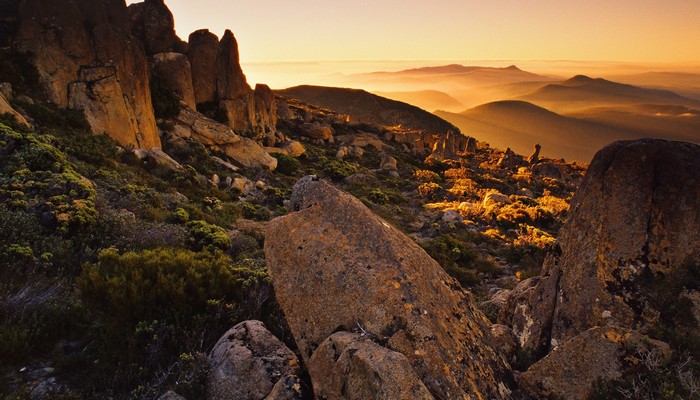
366	107
425	99
519	125
581	92
653	120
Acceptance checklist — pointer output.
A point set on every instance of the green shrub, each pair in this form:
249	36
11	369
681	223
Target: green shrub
202	235
287	164
457	258
429	190
377	196
424	175
36	175
338	170
147	308
275	196
255	212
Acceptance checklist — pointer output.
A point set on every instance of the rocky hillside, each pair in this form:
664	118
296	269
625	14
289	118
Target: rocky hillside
365	107
261	247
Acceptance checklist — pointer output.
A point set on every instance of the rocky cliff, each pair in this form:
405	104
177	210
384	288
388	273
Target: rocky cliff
100	58
86	59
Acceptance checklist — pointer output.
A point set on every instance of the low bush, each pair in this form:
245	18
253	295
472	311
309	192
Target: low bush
202	235
148	308
287	164
430	190
338	170
456	257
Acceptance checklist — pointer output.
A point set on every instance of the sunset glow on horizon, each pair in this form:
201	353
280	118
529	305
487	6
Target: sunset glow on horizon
312	30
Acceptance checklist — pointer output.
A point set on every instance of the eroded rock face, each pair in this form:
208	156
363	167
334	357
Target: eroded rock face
604	353
110	12
65	38
52	33
230	80
329	276
202	52
175	69
528	310
634	223
248	362
153	24
265	113
351	366
118	48
99	95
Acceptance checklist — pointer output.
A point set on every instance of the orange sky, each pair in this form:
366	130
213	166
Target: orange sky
614	30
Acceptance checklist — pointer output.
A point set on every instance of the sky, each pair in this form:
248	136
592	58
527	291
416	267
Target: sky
313	30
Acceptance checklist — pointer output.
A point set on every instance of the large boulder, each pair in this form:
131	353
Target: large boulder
336	266
528	311
634	227
153	24
351	366
202	52
248	362
601	353
176	71
250	154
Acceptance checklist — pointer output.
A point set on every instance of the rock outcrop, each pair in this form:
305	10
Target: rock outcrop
202	52
352	366
634	222
535	156
6	108
153	24
633	229
70	42
176	71
230	80
219	137
99	95
329	277
248	362
605	353
218	81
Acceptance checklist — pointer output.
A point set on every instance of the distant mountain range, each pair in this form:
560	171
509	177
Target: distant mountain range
574	118
508	107
581	92
366	107
519	125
